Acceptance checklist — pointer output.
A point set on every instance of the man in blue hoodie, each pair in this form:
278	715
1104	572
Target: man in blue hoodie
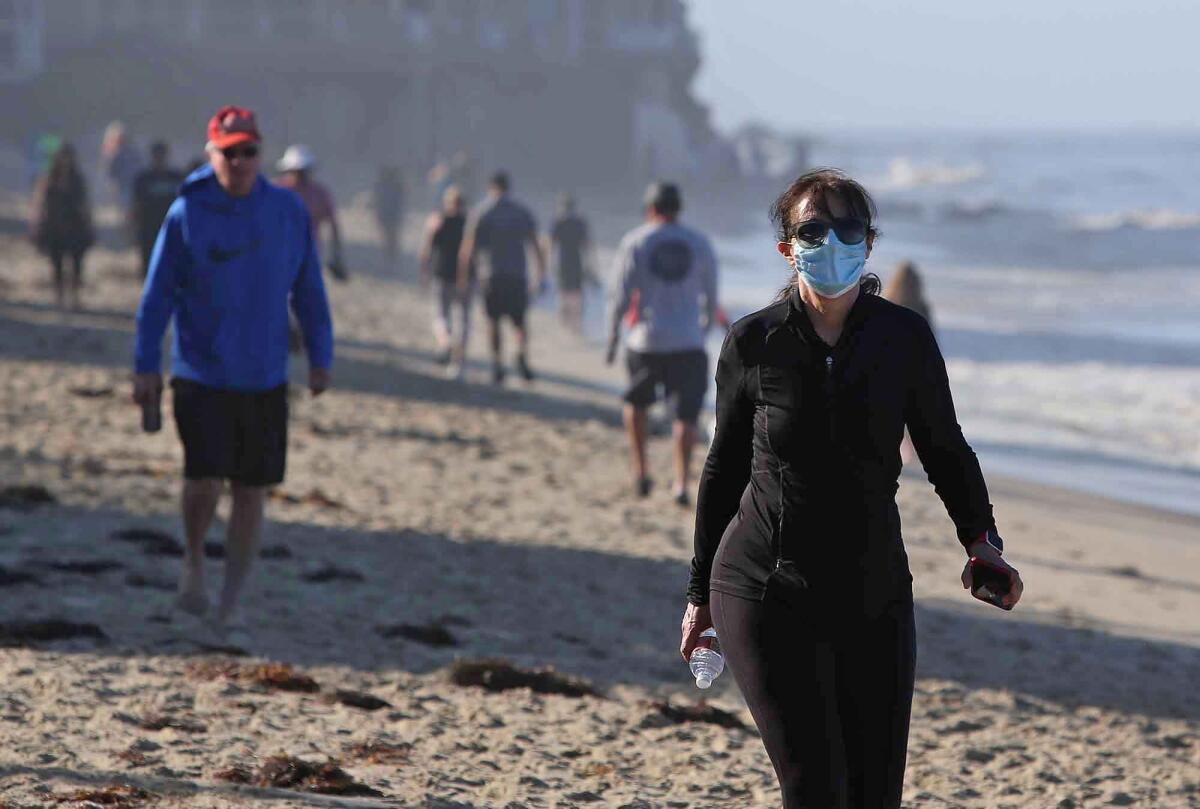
233	252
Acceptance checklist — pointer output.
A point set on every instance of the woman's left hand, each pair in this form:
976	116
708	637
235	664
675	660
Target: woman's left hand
989	554
696	619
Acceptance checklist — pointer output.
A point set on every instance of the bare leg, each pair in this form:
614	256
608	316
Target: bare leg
636	427
463	334
523	351
494	337
390	241
572	310
443	327
241	545
199	503
683	441
76	280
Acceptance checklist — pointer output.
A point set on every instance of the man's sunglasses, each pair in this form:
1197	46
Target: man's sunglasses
814	232
244	152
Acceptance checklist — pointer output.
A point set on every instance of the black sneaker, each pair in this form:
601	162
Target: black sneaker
523	368
642	487
497	374
682	499
444	357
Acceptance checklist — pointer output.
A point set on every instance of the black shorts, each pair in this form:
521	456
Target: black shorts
506	296
233	435
683	376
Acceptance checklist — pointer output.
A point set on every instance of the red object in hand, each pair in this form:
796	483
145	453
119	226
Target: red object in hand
989	582
631	314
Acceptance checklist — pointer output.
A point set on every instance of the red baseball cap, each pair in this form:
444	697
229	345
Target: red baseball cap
232	125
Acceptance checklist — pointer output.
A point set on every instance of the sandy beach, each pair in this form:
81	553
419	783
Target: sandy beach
426	521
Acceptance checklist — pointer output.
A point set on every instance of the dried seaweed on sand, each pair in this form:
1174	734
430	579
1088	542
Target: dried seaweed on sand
288	772
663	713
152	541
26	633
432	634
274	676
118	795
357	699
494	674
25	497
378	752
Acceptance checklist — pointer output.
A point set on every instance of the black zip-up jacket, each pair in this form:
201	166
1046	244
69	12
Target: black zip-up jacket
807	454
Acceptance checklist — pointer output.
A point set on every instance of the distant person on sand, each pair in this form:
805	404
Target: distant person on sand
438	262
387	198
61	223
905	289
120	162
502	229
799	563
153	192
462	173
234	252
296	169
666	288
569	243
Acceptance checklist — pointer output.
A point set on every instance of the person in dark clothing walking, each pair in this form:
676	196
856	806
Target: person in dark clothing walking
570	241
61	223
799	562
438	262
906	289
387	198
502	229
154	189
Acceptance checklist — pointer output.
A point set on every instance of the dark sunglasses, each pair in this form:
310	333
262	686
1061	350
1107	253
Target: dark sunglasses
849	230
245	152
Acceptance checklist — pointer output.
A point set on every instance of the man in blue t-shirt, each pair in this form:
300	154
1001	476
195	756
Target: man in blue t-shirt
233	252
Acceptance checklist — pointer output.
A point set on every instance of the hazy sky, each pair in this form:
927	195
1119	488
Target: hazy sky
1046	64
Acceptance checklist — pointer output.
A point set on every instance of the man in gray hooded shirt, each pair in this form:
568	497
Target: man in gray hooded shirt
666	293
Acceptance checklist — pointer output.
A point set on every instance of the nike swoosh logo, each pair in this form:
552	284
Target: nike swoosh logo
218	255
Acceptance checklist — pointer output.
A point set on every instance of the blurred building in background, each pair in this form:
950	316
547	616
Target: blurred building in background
578	90
21	28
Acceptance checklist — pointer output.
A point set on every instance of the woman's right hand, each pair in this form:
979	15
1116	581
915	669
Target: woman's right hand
696	619
146	387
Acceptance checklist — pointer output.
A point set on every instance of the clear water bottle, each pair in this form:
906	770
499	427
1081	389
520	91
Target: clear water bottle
706	661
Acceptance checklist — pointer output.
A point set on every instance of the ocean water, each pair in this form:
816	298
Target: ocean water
1064	277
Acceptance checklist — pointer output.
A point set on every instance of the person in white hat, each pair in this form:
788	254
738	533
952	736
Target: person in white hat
295	173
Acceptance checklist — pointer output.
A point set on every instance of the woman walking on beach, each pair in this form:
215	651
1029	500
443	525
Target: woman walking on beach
62	223
798	541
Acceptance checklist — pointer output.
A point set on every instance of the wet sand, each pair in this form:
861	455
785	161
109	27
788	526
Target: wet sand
425	521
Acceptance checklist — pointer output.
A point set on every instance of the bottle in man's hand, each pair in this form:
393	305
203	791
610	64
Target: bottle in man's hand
152	412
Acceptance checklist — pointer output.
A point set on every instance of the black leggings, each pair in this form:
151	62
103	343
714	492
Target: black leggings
58	260
833	707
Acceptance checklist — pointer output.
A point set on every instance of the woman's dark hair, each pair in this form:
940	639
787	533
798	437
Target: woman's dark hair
817	186
64	171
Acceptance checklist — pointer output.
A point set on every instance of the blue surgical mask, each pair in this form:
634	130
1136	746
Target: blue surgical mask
831	269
